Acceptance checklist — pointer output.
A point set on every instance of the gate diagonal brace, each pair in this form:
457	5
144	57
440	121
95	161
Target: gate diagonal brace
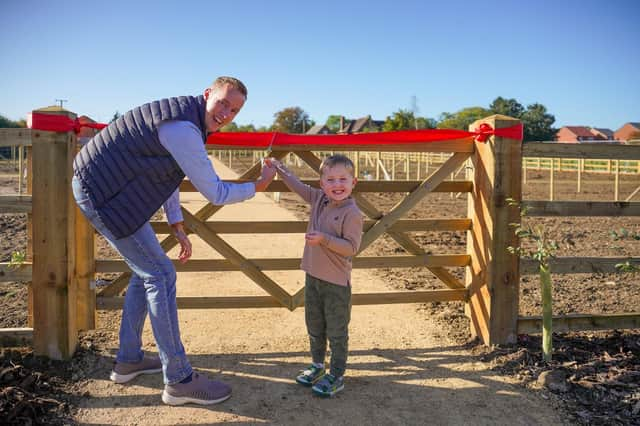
246	266
404	240
118	285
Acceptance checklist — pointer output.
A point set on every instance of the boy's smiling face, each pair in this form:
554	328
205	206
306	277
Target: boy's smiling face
337	182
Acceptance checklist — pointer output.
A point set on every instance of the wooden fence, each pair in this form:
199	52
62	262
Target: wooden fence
61	264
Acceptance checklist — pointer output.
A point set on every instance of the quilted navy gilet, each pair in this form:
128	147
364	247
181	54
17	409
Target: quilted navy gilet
125	170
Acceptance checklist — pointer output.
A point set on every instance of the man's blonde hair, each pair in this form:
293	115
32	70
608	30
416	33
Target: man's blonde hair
335	160
234	82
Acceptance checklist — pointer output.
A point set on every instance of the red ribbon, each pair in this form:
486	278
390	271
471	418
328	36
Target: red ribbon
59	123
268	139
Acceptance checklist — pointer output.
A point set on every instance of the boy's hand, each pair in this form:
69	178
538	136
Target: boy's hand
315	238
183	239
267	175
272	162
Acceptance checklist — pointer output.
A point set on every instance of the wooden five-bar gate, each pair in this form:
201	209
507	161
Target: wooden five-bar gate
61	263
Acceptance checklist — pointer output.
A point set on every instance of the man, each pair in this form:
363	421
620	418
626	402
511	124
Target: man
121	178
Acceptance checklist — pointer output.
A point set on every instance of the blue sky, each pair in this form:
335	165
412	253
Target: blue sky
581	59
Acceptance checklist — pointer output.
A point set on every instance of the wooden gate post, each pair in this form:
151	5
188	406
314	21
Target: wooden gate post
493	277
84	271
55	332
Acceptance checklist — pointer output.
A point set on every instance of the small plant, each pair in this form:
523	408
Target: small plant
623	234
544	249
17	259
627	267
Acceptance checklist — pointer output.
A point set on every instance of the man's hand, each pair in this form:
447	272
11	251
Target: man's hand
267	175
315	238
185	245
272	162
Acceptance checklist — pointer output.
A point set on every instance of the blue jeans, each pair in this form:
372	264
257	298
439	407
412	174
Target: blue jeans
152	289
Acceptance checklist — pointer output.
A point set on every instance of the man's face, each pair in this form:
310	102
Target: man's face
337	182
223	104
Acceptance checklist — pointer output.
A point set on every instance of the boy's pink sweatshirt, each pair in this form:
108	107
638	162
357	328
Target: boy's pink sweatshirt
341	220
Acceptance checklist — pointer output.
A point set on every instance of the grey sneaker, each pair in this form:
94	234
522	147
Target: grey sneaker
309	376
200	390
123	371
329	385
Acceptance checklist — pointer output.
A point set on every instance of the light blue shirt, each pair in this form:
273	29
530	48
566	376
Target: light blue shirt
183	140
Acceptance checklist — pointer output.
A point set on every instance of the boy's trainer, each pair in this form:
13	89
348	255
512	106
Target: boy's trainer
200	390
309	376
124	371
329	385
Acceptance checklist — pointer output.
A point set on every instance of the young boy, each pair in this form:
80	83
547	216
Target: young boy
332	239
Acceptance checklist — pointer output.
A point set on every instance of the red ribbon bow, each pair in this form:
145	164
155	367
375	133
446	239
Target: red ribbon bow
485	130
59	123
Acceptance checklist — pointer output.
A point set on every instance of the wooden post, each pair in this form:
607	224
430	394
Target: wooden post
580	169
84	271
551	178
393	166
406	166
20	168
55	332
616	182
378	165
29	256
493	278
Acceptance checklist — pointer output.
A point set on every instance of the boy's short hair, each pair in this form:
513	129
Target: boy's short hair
234	82
335	160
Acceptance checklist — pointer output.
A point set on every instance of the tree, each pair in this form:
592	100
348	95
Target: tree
402	119
542	249
426	123
116	115
246	128
462	119
509	107
291	120
333	123
538	123
6	123
231	127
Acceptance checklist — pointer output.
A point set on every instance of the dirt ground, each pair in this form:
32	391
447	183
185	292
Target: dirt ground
415	362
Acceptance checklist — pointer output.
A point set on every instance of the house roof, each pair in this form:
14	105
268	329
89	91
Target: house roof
318	129
360	124
579	131
604	131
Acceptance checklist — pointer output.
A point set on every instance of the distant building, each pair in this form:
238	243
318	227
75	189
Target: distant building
576	134
318	129
364	124
602	133
627	132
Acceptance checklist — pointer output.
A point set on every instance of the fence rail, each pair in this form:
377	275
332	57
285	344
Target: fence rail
488	296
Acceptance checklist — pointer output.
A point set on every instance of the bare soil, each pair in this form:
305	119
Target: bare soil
595	377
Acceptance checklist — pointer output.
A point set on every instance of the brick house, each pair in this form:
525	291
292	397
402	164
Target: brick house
576	134
628	131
